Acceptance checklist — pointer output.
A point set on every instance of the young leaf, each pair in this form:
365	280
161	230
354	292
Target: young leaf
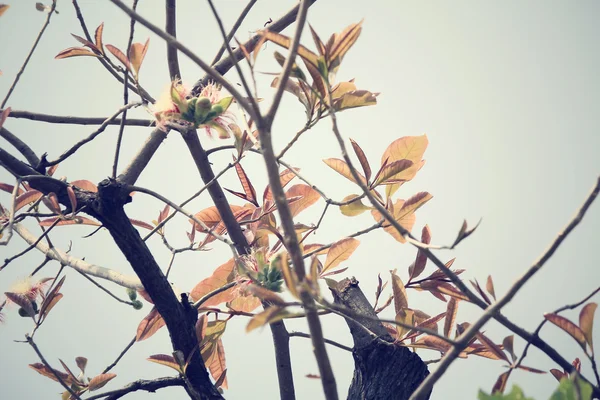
246	184
451	311
100	381
317	40
489	286
403	213
284	41
421	260
216	364
269	315
166	360
343	169
342	43
72	199
141	224
464	233
500	384
48	373
410	148
362	158
586	322
75	52
291	281
149	325
3	8
308	197
137	52
340	251
28	197
284	178
400	297
223	275
48	304
98	37
22	301
491	346
354	99
354	208
568	327
4	115
390	170
266	295
74	221
507	342
119	55
81	363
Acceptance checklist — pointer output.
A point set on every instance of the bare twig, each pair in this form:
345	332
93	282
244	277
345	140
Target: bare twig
213	293
121	354
65	119
233	30
171	29
31	246
60	380
37	40
106	290
175	43
91	137
328	341
125	97
142	384
463	340
80	265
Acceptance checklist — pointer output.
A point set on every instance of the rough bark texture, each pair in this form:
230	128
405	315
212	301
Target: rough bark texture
382	369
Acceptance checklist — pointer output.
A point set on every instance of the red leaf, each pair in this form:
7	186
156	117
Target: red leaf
362	159
308	197
421	261
4	115
75	52
119	55
246	184
100	380
141	224
28	197
568	327
166	360
137	52
98	37
149	325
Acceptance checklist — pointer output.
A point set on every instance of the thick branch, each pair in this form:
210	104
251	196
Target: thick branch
66	119
382	369
21	147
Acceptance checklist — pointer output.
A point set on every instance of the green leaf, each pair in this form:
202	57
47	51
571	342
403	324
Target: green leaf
515	394
567	390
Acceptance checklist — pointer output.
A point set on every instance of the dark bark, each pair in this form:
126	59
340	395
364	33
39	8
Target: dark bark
382	369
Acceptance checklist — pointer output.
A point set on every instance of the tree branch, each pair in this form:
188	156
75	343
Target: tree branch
232	32
142	384
65	119
21	146
171	29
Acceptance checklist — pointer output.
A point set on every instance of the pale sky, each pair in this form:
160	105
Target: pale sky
507	92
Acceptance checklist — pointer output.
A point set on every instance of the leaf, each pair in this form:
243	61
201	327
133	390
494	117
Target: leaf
266	295
491	346
342	43
507	343
354	208
28	197
223	275
72	221
280	262
48	304
451	311
452	292
270	314
403	214
246	184
400	297
343	169
141	224
4	114
85	185
3	8
100	381
489	286
284	178
22	301
500	384
166	360
212	348
362	159
75	52
355	98
308	197
558	375
98	37
216	364
340	251
421	261
568	327
47	372
390	170
410	148
137	52
10	188
81	363
211	217
586	323
464	233
573	388
87	43
515	394
149	325
119	55
286	42
72	199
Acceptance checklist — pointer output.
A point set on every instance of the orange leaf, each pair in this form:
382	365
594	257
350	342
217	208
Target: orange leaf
74	221
586	322
355	98
343	42
270	314
284	177
244	303
99	381
405	218
410	148
489	286
491	346
137	52
85	185
149	325
211	217
216	364
568	327
98	37
3	8
343	169
49	303
75	52
451	311
141	224
286	42
400	297
221	276
119	55
340	251
308	197
47	372
166	360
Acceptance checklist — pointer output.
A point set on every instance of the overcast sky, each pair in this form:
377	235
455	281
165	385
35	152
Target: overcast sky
507	92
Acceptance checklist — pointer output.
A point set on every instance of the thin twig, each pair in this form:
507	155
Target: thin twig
125	350
463	340
91	137
328	341
213	293
150	386
232	32
31	246
251	99
175	43
37	40
105	290
125	97
60	380
66	119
